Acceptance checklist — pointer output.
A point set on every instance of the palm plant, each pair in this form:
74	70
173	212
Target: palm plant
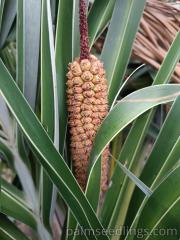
43	200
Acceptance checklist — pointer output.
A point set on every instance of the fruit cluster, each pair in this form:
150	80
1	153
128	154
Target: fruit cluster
87	106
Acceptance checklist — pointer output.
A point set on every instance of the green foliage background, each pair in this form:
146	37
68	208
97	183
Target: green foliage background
37	41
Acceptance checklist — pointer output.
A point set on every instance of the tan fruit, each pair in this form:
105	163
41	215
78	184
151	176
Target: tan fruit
87	106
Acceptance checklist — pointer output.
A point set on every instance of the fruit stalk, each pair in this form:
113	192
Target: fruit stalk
83	27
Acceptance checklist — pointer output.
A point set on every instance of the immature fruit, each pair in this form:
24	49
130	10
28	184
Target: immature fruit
87	106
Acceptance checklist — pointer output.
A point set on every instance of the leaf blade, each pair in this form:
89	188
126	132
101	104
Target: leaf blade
135	138
51	159
14	204
8	231
9	13
129	103
126	18
98	18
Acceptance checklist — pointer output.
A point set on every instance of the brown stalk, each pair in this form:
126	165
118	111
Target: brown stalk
158	28
83	26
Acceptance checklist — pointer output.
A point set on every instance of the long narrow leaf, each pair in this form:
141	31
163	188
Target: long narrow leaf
1	11
22	171
118	44
159	152
5	119
13	203
128	109
47	112
8	230
161	203
75	30
135	138
28	47
99	17
168	223
92	193
172	159
147	191
51	159
9	13
63	52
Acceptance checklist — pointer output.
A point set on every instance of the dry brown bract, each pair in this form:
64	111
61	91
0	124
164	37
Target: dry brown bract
159	26
87	106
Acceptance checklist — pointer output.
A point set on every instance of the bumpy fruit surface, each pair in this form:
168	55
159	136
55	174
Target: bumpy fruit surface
87	106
